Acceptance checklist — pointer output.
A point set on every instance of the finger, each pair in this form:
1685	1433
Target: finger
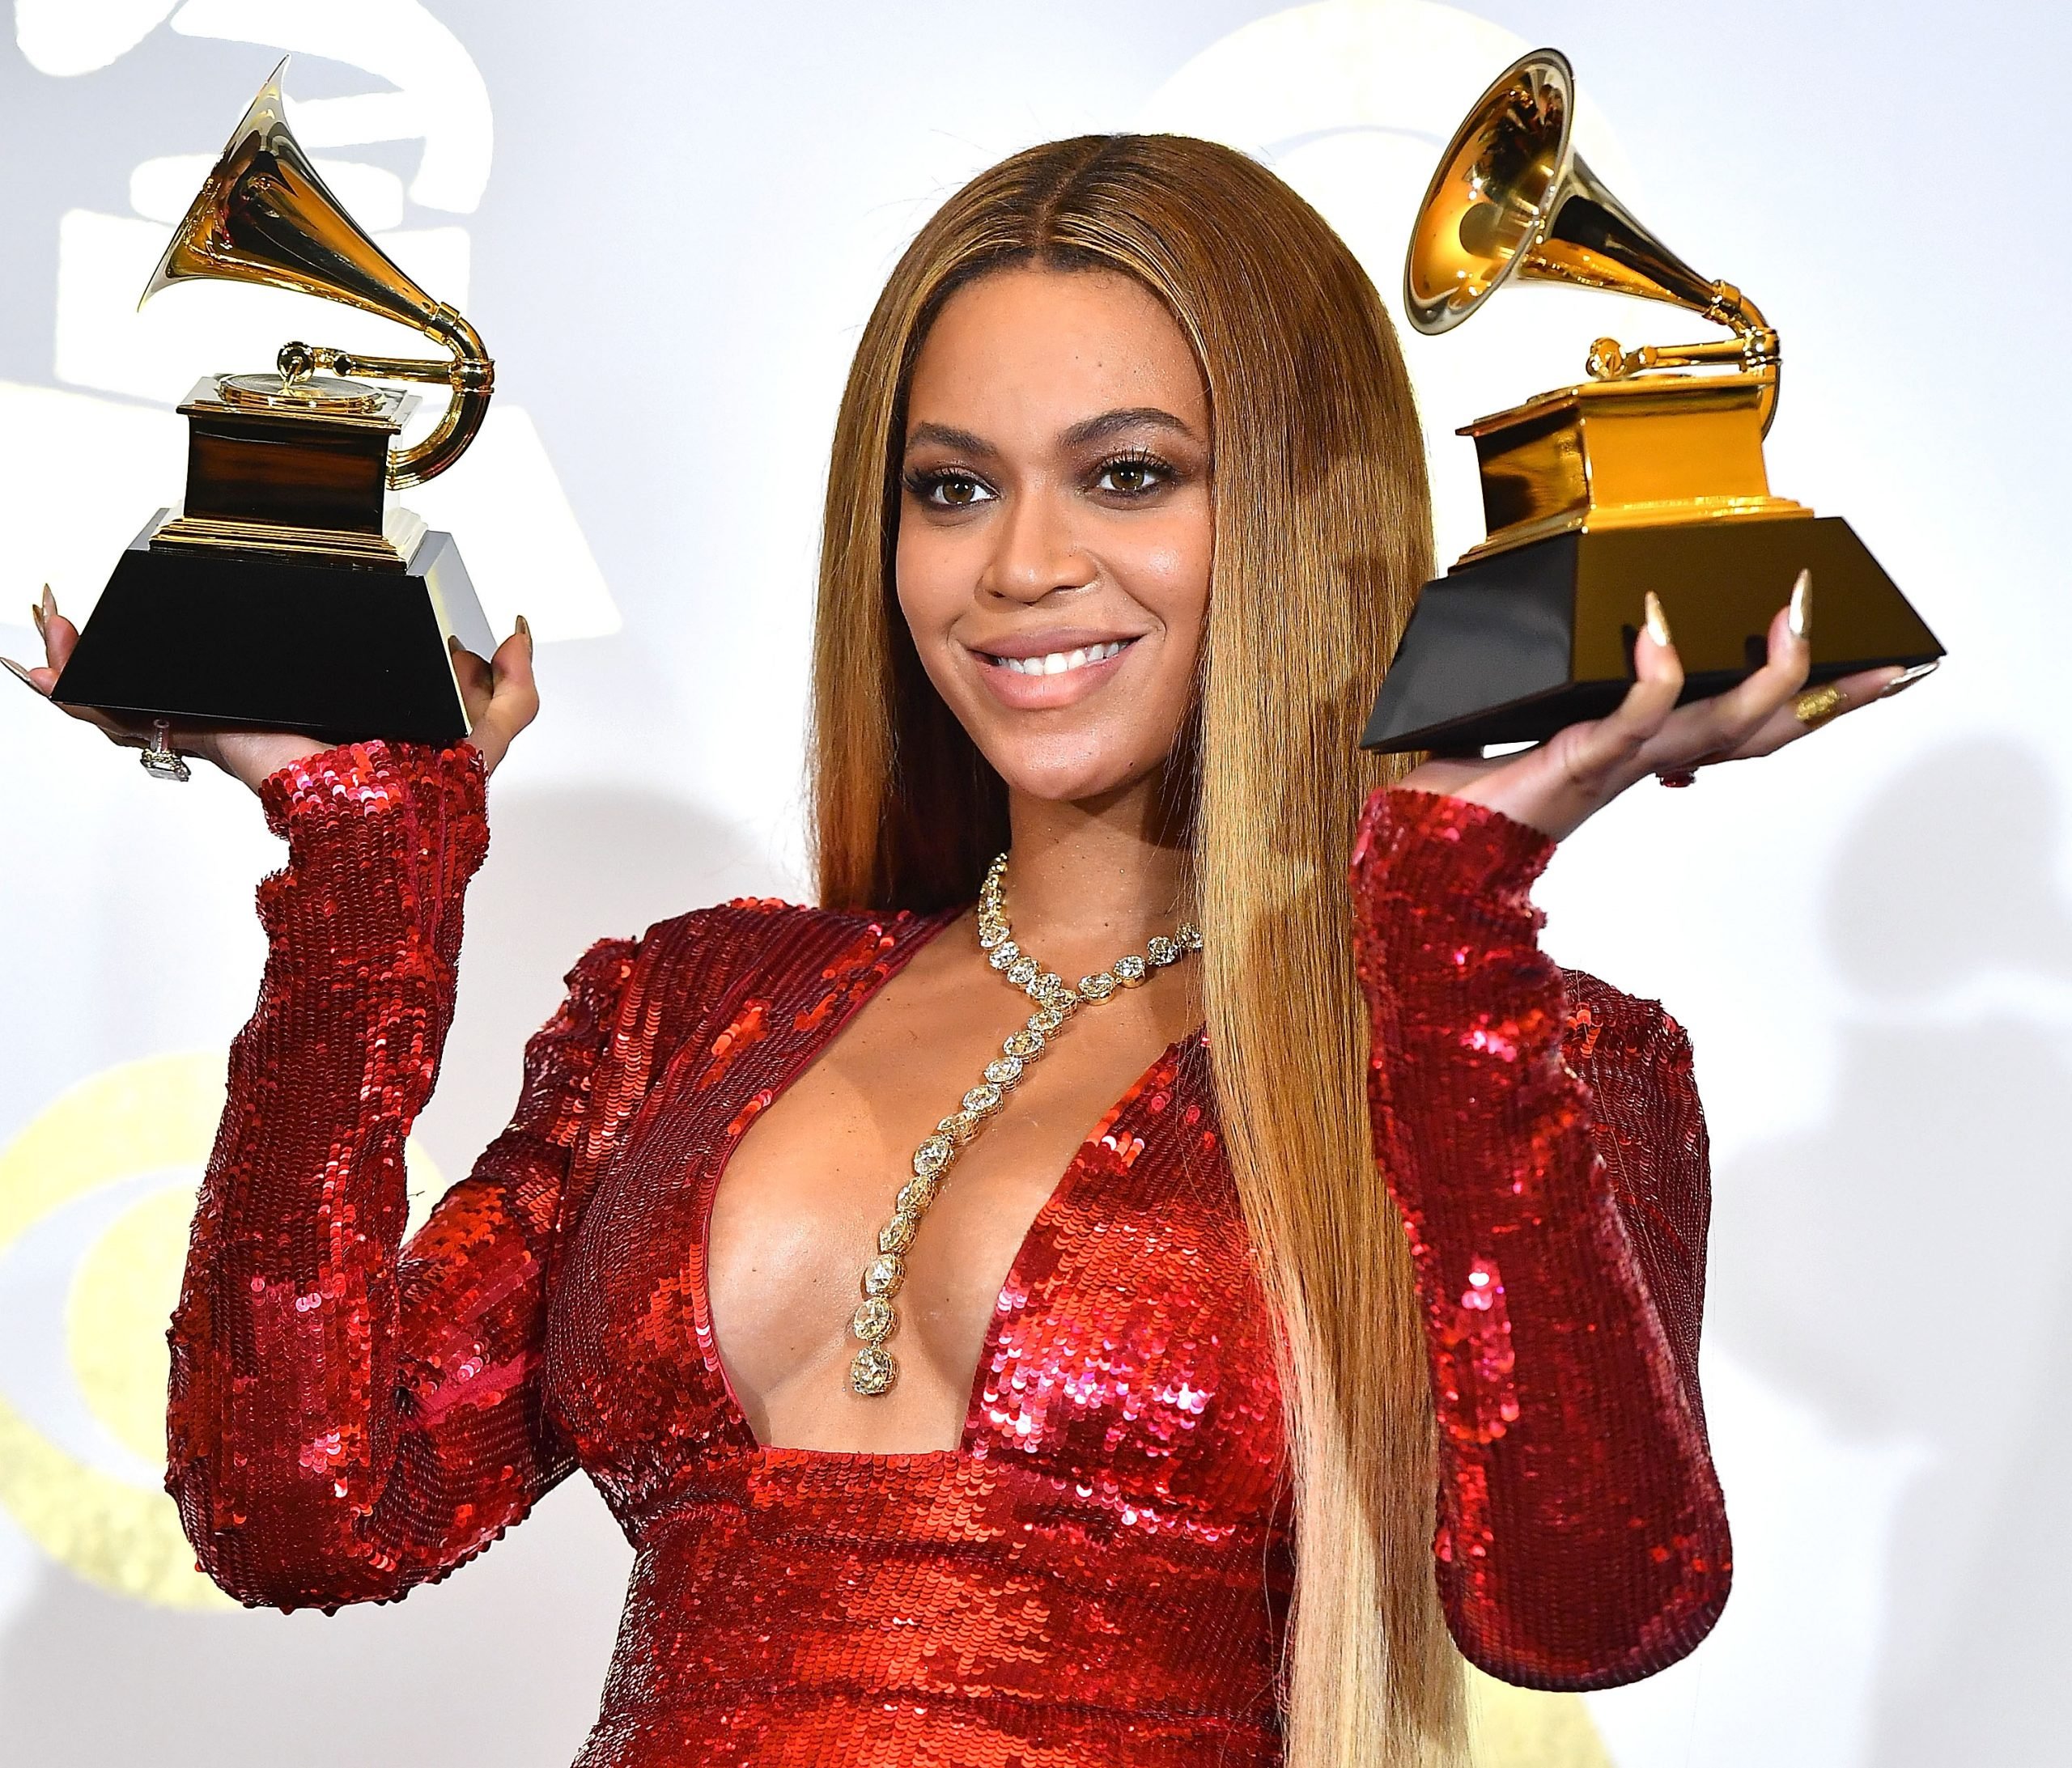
41	678
59	636
1787	724
514	700
29	678
1604	755
472	672
516	691
1713	729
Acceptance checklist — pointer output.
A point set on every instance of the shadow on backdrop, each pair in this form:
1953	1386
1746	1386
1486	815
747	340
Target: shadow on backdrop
1896	1266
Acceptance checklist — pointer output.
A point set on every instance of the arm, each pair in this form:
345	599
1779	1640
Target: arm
1549	1158
350	1418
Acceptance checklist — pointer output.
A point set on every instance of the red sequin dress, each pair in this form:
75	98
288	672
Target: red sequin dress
1098	1573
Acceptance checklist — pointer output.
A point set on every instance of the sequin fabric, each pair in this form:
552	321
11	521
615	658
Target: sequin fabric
1099	1572
1542	1136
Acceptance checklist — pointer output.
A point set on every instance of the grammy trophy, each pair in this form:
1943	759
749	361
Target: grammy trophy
1647	476
286	592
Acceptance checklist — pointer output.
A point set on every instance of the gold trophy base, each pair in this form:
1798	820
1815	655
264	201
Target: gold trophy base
1651	451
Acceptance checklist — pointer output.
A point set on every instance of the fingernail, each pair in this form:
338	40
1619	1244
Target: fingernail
525	631
1658	620
20	674
453	644
1921	671
48	605
1802	606
35	615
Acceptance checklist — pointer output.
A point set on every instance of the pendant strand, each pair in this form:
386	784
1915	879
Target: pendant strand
874	1368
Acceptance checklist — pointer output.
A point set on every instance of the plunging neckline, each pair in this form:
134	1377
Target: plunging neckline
734	1414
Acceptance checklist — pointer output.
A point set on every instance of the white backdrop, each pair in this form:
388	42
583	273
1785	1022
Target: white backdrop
668	222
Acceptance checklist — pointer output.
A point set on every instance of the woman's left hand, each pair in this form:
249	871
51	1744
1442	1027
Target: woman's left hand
1558	786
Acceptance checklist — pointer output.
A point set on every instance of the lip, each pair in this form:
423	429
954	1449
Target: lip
1030	693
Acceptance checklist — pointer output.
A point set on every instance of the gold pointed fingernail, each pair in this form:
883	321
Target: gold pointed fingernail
1802	606
48	604
36	617
1658	620
21	674
1921	671
524	628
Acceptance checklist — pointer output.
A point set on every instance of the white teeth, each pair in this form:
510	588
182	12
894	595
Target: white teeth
1056	663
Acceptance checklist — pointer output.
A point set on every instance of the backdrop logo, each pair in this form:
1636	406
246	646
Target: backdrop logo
95	1196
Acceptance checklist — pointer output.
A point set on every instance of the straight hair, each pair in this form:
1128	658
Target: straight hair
1322	534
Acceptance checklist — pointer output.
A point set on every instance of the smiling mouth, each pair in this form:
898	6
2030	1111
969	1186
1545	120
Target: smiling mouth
1058	662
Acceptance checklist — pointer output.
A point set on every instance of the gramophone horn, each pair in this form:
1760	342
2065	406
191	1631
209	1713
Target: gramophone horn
264	215
1513	199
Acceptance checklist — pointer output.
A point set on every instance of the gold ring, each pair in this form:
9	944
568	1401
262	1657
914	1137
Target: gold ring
1817	706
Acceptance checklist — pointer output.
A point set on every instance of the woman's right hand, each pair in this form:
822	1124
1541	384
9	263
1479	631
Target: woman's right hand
499	693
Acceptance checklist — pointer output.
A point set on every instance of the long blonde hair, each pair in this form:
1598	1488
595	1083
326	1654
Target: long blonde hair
1322	534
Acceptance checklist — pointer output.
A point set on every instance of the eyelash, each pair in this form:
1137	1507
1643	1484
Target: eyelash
924	485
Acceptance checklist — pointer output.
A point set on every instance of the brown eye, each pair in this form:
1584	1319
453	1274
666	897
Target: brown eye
949	490
1132	475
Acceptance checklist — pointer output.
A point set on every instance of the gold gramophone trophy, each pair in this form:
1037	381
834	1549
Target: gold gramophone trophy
286	592
1648	476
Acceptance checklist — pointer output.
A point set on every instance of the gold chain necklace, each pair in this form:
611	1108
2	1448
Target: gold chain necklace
875	1368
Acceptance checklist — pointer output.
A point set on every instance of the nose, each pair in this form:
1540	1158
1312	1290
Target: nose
1036	551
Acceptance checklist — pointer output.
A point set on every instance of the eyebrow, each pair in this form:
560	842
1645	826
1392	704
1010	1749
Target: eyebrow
1110	423
1096	429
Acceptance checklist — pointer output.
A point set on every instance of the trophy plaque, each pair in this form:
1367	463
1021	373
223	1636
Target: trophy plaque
286	592
1647	476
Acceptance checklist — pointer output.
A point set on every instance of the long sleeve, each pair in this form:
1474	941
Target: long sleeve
1542	1137
349	1417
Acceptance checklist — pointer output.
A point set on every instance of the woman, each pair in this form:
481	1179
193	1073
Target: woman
1137	1466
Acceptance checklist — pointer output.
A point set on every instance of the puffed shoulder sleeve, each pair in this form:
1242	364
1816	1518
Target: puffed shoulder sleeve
349	1416
1542	1137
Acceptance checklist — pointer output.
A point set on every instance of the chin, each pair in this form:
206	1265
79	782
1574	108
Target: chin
1068	779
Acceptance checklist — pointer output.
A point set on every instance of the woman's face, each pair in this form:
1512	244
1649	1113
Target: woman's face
1055	525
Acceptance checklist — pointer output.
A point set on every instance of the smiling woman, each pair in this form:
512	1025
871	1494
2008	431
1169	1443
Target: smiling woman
1056	527
1307	1290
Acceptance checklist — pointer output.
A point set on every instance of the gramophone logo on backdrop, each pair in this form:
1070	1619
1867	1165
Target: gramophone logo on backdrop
525	548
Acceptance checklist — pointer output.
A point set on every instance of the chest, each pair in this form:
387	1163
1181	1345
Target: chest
797	1209
1087	1296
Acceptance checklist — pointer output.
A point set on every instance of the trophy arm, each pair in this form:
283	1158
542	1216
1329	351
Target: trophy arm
468	373
1754	348
472	377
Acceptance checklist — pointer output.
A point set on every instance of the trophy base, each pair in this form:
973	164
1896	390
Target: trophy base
1513	646
270	643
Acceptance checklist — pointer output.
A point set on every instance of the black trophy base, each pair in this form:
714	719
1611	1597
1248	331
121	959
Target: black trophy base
1513	647
267	643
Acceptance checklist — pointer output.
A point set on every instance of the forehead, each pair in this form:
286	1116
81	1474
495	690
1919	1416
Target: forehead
1047	348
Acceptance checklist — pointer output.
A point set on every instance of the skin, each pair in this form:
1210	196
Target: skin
1057	472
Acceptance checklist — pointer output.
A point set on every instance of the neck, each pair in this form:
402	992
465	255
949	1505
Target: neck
1093	879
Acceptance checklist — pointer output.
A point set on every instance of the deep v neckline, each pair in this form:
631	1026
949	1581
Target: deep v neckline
736	1415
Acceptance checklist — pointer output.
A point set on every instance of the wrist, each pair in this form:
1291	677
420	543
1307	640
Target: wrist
250	756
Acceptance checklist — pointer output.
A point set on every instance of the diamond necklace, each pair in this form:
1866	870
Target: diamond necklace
874	1368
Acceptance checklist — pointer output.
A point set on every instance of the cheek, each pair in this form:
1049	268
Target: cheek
930	581
1170	577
